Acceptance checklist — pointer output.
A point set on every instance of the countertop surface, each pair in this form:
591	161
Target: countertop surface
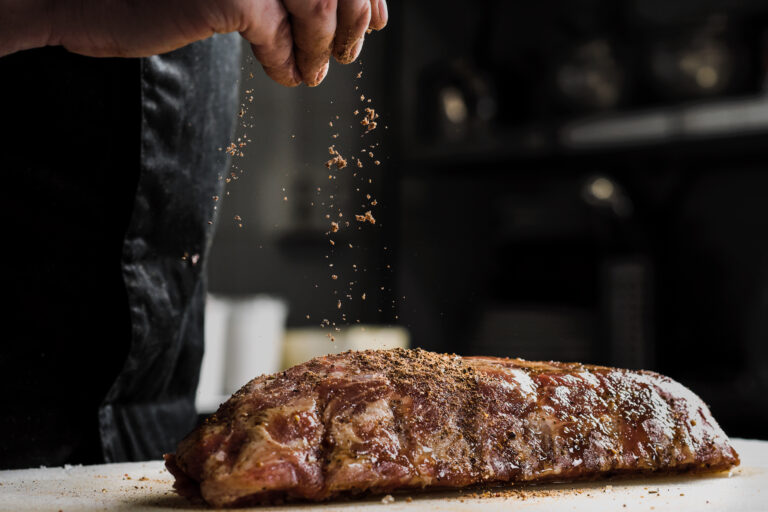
147	486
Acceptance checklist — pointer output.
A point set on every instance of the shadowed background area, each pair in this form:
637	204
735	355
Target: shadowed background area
579	180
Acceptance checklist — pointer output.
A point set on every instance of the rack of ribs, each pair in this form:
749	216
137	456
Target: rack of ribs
385	420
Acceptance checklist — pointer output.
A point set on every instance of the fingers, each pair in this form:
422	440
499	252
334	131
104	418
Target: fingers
379	14
314	26
272	43
294	39
352	20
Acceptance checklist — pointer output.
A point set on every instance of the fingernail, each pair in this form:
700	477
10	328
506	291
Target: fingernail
320	75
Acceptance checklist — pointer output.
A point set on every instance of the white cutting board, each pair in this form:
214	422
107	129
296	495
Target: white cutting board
146	486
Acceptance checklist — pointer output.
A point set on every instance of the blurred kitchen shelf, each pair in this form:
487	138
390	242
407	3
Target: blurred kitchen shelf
735	117
724	120
499	144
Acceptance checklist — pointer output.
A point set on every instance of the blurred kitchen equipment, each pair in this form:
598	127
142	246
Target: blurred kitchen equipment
210	388
243	339
306	343
254	343
460	101
591	77
696	64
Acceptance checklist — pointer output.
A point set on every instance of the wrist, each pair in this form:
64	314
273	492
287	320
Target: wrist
25	24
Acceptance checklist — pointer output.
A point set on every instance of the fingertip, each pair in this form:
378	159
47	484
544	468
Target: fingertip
292	83
288	78
379	14
319	77
347	54
293	80
284	73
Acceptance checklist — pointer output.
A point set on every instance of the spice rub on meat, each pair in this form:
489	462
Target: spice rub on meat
386	420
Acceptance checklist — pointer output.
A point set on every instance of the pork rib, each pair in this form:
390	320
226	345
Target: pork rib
387	420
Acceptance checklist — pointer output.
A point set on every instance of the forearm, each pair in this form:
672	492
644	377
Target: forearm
24	24
293	39
101	28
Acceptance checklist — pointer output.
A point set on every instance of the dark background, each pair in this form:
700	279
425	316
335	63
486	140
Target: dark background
581	180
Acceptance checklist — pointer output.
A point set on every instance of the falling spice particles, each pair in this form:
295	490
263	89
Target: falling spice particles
369	120
333	207
339	161
367	217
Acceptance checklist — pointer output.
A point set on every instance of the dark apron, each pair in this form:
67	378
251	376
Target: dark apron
110	168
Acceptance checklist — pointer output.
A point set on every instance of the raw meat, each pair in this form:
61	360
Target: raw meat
386	420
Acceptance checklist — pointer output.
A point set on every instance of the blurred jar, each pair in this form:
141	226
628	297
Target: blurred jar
243	339
305	343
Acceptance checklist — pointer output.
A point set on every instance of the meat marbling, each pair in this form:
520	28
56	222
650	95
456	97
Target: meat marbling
387	420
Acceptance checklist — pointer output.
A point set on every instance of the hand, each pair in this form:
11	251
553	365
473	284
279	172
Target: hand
293	39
